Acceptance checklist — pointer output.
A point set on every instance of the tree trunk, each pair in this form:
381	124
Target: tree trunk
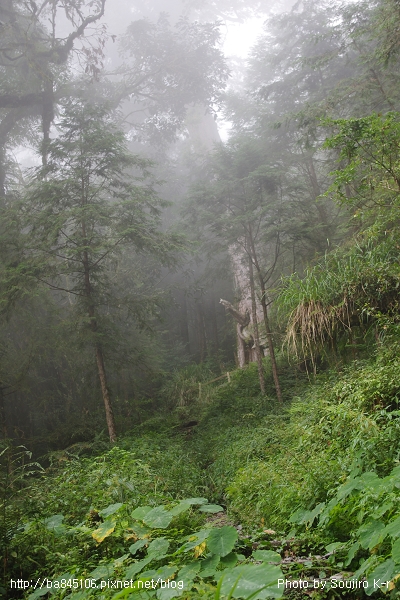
268	332
271	347
255	326
202	335
242	320
106	395
3	422
99	352
214	325
184	326
47	115
241	348
2	175
324	217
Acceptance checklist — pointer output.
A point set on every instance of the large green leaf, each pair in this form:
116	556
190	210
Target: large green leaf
140	512
132	570
267	555
396	551
253	578
393	528
211	508
158	548
169	592
110	510
222	540
158	517
102	572
180	508
351	553
165	572
55	524
209	565
382	574
367	564
195	539
141	531
230	560
137	545
371	534
189	572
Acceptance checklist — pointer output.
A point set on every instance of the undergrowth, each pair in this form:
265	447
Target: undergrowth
312	487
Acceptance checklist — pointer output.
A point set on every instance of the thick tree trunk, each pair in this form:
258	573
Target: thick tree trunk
242	320
255	327
241	348
268	332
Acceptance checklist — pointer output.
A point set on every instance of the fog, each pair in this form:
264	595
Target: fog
197	133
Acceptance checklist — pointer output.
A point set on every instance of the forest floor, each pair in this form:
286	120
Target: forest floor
256	500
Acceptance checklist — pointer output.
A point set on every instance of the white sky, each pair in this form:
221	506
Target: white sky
240	37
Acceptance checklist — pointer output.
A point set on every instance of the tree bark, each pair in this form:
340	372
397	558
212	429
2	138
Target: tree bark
214	325
47	115
6	126
184	326
106	395
112	432
202	335
268	332
271	346
3	422
241	348
242	320
255	326
2	175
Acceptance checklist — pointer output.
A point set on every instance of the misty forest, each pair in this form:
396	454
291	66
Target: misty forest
199	299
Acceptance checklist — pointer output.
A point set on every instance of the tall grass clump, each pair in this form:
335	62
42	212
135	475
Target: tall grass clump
344	294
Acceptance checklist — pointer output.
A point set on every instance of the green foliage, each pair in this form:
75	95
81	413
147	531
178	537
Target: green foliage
16	471
349	292
140	511
87	543
156	468
341	422
364	515
89	201
182	387
369	151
